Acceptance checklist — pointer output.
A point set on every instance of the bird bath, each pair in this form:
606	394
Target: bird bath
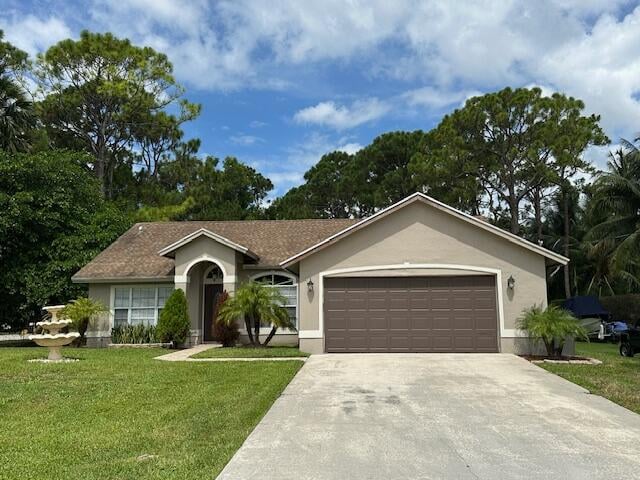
52	338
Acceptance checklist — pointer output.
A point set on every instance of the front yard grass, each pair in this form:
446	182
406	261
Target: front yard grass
119	414
618	378
250	352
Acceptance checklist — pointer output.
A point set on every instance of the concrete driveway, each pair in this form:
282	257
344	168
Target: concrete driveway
437	416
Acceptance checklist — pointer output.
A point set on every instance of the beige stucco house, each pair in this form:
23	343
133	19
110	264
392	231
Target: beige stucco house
419	276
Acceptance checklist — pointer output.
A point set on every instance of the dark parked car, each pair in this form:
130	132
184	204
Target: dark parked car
630	342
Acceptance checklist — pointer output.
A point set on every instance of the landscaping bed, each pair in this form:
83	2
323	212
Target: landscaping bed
120	414
617	378
251	352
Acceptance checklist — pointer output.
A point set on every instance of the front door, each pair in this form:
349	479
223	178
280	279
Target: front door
211	292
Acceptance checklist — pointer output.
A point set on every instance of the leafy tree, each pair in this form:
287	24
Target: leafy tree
616	201
226	333
551	326
293	205
256	304
81	311
17	118
54	220
516	142
103	94
234	192
174	324
380	175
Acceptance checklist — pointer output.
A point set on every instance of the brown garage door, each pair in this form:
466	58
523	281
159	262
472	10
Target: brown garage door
410	314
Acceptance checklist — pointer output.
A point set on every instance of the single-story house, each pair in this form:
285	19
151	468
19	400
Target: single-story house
418	276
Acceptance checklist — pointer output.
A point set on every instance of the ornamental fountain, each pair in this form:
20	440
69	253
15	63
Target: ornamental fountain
52	338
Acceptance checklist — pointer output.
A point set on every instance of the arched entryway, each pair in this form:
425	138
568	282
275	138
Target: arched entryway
212	288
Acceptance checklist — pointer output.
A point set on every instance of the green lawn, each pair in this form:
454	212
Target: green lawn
92	419
618	378
248	352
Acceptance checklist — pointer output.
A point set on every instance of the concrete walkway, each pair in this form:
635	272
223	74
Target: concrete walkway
437	416
185	356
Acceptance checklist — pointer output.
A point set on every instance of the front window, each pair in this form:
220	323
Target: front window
139	305
287	287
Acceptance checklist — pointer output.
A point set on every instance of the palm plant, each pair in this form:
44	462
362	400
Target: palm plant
551	326
16	116
81	311
617	201
256	304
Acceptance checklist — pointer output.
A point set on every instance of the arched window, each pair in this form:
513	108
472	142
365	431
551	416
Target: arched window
287	285
213	275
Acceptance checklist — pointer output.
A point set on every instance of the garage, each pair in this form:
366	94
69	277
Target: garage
410	314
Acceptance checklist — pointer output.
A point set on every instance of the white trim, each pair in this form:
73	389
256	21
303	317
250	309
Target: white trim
160	279
412	266
205	257
447	209
294	278
310	334
213	236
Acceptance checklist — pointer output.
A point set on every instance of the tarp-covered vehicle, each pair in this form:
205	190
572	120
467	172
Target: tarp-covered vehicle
592	315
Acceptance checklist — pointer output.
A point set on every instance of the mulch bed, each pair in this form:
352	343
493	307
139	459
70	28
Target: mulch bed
568	360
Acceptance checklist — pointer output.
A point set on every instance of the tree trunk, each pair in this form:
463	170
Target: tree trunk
247	325
271	334
537	208
513	209
256	331
567	236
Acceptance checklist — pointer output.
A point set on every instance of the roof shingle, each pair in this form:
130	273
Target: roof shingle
135	253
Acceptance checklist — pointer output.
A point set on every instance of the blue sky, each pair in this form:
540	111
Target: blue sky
283	84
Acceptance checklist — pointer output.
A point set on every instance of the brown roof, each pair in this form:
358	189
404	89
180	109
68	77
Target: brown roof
135	253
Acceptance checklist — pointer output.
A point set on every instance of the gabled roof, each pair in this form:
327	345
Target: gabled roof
420	197
203	232
134	256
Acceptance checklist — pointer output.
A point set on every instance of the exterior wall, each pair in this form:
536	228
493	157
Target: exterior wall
99	331
420	234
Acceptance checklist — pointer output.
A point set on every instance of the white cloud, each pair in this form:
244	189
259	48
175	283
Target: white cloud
342	117
350	148
435	99
257	124
32	34
245	140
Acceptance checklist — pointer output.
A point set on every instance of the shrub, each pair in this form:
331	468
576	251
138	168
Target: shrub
625	308
81	311
133	334
174	323
551	326
226	333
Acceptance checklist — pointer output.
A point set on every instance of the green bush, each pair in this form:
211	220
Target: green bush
551	326
623	307
133	334
226	333
174	323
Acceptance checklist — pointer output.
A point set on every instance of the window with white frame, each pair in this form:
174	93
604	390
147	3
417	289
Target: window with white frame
140	304
288	288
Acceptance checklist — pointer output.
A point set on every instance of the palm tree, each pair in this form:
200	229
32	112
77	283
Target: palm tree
617	201
16	116
81	311
256	304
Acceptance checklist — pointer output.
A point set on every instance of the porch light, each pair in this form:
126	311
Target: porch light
310	285
511	282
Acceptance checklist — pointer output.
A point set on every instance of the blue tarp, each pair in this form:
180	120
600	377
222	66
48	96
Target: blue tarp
586	306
